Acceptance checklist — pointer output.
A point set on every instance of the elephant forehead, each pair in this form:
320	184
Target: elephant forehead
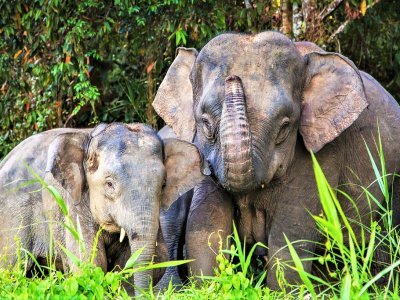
267	70
131	167
129	143
267	49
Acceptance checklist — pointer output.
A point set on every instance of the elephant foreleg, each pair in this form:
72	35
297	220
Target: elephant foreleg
299	227
173	223
209	223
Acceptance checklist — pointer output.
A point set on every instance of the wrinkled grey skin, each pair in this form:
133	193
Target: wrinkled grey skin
208	208
256	106
115	176
173	223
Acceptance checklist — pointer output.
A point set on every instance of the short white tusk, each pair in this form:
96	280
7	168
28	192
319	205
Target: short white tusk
121	237
262	186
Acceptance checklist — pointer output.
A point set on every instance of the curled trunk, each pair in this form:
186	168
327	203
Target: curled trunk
235	138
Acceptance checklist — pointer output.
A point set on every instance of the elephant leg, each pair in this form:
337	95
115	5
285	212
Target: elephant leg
172	223
89	232
299	227
209	223
395	195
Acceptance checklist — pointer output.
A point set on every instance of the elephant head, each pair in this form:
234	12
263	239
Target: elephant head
243	99
118	176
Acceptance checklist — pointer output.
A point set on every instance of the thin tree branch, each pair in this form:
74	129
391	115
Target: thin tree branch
329	9
339	30
346	23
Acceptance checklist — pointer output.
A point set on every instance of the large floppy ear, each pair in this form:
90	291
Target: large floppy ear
64	169
174	98
185	168
333	98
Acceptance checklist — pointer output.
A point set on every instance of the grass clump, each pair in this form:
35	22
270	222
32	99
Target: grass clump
90	283
351	255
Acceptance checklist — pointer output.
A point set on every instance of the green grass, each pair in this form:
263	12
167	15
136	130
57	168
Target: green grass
349	264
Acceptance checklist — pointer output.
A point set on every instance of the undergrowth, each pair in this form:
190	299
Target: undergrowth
349	259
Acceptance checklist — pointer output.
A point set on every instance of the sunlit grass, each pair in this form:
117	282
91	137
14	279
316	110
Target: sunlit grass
348	254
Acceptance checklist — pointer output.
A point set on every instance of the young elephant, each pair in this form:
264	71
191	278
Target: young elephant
255	107
115	176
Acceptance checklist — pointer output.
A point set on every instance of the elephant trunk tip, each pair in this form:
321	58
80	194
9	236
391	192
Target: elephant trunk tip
232	78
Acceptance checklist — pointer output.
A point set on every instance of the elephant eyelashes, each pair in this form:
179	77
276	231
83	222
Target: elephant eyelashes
207	127
283	131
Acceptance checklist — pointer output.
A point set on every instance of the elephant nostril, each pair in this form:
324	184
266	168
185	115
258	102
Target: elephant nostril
134	236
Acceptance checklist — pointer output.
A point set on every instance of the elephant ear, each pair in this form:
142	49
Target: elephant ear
64	169
333	98
184	167
307	47
174	98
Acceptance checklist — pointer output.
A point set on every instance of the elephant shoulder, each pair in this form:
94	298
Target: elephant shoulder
375	92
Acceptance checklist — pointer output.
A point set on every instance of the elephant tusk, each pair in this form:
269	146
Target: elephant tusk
121	237
262	185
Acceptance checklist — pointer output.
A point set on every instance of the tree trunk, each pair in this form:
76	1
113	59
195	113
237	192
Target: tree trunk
286	13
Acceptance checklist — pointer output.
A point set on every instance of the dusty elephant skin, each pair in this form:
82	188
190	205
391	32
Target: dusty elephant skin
255	105
116	176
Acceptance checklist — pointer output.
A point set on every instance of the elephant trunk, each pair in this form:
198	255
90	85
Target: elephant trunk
142	279
235	138
142	232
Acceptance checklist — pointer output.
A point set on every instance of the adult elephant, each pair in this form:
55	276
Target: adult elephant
113	176
256	106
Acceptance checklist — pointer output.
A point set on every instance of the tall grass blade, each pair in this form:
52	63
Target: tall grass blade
300	269
381	178
165	264
353	262
326	197
370	251
131	261
75	260
80	239
345	292
34	261
57	196
379	276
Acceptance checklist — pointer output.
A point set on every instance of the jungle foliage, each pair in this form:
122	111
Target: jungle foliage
77	63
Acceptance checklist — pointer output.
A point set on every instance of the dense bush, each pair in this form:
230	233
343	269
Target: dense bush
77	63
373	43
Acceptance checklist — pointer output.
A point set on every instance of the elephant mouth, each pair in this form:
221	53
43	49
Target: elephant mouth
242	189
110	227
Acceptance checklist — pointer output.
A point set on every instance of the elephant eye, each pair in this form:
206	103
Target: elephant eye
109	188
207	127
283	131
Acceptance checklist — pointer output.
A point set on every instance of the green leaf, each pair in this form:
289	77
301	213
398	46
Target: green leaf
131	261
71	286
